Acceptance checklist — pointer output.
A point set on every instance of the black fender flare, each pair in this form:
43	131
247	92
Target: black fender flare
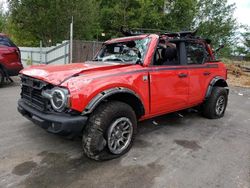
213	83
107	93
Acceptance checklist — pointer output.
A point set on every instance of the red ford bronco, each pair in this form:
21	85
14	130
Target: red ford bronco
131	79
10	60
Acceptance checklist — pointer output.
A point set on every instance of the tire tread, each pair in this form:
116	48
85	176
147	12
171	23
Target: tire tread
96	127
208	107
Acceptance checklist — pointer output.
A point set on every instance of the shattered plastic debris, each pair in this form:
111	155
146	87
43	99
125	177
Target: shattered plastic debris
155	123
180	115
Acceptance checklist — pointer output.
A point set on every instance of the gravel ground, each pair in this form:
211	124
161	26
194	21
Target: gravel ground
178	150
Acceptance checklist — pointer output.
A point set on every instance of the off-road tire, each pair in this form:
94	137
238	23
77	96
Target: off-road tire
208	108
1	77
94	140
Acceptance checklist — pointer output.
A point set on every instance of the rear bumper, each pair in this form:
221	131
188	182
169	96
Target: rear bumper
62	124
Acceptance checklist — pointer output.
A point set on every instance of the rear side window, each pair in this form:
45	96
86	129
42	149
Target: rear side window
196	53
5	41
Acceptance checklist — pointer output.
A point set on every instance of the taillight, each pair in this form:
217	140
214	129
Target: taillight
18	53
13	55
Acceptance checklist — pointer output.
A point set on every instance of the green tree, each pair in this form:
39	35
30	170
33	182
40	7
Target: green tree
151	14
3	19
115	14
30	21
243	48
180	14
49	21
215	20
246	43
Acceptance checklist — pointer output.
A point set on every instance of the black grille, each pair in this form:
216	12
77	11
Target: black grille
32	93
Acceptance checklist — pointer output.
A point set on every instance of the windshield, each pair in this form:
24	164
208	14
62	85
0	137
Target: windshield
124	52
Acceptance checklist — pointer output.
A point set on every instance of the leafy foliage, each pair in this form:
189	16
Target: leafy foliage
180	14
246	37
30	21
215	20
244	47
2	19
49	21
115	14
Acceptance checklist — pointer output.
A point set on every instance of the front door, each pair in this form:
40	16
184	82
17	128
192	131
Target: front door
169	81
168	89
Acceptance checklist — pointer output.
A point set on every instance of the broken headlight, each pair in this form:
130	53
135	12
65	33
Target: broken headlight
58	98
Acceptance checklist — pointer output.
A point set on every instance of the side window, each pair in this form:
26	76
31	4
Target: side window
166	54
4	41
196	53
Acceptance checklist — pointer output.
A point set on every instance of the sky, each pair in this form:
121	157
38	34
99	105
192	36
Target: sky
242	13
4	3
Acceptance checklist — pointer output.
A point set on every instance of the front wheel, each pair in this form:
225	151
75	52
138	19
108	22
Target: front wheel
214	107
110	131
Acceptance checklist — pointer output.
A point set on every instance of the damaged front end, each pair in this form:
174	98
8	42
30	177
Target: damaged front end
48	106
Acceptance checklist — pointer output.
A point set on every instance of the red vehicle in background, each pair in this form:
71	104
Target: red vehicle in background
10	59
131	79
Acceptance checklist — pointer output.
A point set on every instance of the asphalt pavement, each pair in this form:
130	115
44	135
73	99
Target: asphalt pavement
179	150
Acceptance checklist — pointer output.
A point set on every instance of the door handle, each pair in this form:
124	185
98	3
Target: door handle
206	73
182	75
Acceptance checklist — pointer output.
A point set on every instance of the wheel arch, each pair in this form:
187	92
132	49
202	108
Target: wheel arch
216	81
119	94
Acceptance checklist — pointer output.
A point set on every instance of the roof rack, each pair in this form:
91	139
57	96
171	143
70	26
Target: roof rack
140	31
182	34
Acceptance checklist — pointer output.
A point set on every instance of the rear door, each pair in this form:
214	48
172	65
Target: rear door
199	71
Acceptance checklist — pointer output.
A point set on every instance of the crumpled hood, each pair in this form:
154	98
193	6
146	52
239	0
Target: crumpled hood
56	74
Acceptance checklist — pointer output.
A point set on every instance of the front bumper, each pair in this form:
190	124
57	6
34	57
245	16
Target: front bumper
63	124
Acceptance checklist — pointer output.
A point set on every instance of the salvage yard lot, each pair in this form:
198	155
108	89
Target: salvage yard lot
175	150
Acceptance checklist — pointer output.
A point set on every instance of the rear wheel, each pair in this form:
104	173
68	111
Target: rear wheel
214	107
1	77
110	131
